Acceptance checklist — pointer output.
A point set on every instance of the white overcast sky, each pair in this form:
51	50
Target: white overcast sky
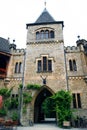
15	14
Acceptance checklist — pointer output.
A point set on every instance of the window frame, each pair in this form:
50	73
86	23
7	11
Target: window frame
72	65
44	64
45	33
77	100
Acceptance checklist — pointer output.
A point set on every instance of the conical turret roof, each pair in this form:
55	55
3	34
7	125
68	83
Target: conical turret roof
45	17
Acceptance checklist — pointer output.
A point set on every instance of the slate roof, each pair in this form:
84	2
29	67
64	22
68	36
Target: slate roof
4	45
45	17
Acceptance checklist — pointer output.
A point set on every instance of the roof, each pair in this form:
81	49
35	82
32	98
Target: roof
4	45
45	17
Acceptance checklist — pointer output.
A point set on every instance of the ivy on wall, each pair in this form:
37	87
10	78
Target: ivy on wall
5	93
33	86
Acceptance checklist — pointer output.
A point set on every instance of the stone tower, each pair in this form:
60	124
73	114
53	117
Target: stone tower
45	59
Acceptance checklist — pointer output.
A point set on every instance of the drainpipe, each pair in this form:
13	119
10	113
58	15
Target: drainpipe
67	87
21	91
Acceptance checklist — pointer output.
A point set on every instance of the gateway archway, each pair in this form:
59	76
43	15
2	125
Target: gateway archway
39	115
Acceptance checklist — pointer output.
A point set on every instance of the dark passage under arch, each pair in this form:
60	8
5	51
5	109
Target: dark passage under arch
38	113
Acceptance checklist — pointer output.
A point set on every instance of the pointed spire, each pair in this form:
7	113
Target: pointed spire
45	3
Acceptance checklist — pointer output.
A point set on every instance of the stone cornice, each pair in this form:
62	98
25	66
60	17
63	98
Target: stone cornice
45	42
75	77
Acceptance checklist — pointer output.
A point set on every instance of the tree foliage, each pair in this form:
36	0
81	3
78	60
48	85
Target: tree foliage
63	106
48	107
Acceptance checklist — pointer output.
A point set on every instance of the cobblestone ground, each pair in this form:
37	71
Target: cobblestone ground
47	127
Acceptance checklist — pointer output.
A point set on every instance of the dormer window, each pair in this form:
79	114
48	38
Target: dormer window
44	34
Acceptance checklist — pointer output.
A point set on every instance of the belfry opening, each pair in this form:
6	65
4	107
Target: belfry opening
43	107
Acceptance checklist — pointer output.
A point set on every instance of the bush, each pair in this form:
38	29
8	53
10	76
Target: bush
26	98
33	86
3	112
63	106
14	116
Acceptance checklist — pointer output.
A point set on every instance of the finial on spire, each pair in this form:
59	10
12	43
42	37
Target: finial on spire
45	3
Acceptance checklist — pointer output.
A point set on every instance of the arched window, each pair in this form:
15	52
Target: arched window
51	34
74	65
16	67
70	65
42	34
46	34
20	66
37	35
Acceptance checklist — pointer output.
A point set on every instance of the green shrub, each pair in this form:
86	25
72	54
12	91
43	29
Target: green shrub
3	112
27	98
14	116
33	86
63	106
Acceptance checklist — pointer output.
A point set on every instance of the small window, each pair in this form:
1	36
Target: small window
37	35
51	34
46	34
70	65
44	63
42	34
20	67
49	65
16	67
74	65
79	100
39	65
76	100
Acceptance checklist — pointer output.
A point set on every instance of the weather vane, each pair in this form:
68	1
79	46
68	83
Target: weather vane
45	3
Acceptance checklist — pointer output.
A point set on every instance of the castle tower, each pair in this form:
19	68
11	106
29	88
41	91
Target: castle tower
45	58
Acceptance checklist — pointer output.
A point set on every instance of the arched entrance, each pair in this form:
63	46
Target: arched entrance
38	112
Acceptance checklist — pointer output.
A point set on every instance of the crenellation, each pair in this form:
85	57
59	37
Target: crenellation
72	49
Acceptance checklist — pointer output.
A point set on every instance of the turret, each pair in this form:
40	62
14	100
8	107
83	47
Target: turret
82	44
12	46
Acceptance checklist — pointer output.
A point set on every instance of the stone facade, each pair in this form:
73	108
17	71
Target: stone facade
60	77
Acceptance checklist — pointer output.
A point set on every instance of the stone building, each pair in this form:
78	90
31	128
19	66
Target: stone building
47	62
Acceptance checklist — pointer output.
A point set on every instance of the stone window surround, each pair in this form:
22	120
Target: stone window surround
77	103
44	30
18	67
41	59
72	65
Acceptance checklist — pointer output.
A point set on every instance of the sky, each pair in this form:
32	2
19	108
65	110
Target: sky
15	14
